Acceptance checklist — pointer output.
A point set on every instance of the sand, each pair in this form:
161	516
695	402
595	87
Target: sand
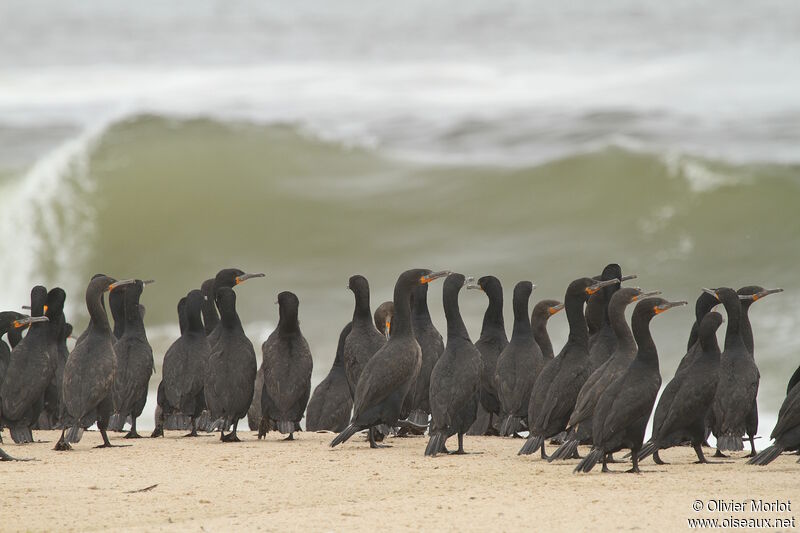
203	485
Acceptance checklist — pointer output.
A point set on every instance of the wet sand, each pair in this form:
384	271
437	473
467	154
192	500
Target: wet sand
204	485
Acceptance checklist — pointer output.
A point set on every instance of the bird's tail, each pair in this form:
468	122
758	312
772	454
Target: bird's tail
286	426
412	425
348	432
766	456
74	434
565	451
116	422
510	426
21	434
436	443
588	462
177	421
729	442
205	423
532	445
647	450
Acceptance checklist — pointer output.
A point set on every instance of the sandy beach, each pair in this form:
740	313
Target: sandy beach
203	485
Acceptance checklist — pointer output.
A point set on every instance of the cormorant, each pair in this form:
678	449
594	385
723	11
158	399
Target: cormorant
29	371
518	365
490	344
228	278
231	369
364	338
580	421
554	392
89	371
331	403
287	367
184	367
680	415
134	364
390	373
786	433
210	315
738	378
456	377
704	304
622	411
542	312
602	341
383	318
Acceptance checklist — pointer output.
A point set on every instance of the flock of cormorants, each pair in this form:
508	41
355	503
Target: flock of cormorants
394	374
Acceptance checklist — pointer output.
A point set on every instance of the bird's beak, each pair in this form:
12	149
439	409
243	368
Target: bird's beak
712	292
28	320
26	307
121	283
643	295
472	284
555	309
387	329
758	296
245	277
148	282
591	289
667	306
434	276
628	277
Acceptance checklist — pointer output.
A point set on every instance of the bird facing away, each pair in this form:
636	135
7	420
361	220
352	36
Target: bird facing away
556	388
680	415
389	374
134	364
287	367
456	377
331	403
89	371
621	415
364	338
231	369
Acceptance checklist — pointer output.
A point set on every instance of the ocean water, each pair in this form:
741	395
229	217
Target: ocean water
313	141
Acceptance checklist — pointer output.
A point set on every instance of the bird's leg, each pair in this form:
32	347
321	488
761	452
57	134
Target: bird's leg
605	463
263	427
372	443
701	458
194	428
657	459
490	430
635	458
62	445
132	434
752	446
106	442
290	437
720	454
544	452
460	450
232	437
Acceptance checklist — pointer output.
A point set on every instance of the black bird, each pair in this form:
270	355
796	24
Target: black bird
756	293
116	304
542	312
331	403
417	407
58	352
680	415
184	367
364	338
287	367
622	412
29	372
13	323
786	433
134	364
89	371
383	318
580	421
456	377
602	341
490	344
390	373
210	315
227	278
231	369
738	378
557	385
704	304
161	397
794	380
518	365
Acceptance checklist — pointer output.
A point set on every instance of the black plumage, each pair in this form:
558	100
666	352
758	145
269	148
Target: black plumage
456	377
226	278
383	318
680	415
556	388
331	403
541	313
622	411
286	366
364	338
786	434
231	369
390	373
